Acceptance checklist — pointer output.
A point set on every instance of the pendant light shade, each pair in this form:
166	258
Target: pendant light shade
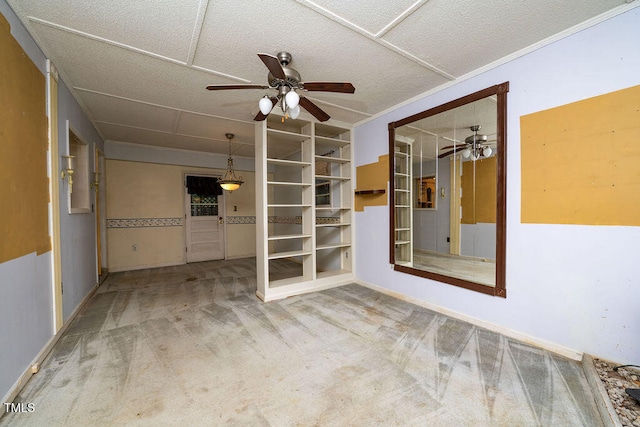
265	105
292	99
294	112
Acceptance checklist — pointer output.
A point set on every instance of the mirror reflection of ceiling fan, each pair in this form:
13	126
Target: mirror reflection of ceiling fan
474	147
288	83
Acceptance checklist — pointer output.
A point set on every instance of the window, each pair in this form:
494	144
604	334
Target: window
79	198
204	205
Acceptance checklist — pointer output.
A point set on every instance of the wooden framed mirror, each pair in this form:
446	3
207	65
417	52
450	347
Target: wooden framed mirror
447	180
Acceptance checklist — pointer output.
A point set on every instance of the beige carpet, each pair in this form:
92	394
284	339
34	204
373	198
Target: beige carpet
192	345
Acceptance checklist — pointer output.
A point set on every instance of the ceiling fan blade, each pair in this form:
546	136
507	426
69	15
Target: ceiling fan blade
273	64
446	154
260	117
316	111
453	146
329	87
225	87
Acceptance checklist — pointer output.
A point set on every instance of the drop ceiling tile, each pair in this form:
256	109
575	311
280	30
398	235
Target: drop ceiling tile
201	144
325	51
114	132
104	68
164	27
199	125
459	37
372	16
125	112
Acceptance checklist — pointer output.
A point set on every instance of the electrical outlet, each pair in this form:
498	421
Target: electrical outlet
134	248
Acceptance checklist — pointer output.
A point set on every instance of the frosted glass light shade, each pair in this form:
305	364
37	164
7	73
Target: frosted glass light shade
487	151
265	105
466	153
230	186
292	99
294	112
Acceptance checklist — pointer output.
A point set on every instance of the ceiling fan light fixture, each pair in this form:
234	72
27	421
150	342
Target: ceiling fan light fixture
292	99
486	151
265	105
466	153
294	112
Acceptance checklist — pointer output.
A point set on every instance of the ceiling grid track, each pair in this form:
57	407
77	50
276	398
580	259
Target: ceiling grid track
197	30
133	49
160	106
374	37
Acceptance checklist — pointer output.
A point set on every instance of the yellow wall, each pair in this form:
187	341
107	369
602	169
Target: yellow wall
24	186
479	203
581	162
373	176
137	190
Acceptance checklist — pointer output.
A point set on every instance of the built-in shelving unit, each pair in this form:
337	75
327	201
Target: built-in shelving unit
402	203
304	202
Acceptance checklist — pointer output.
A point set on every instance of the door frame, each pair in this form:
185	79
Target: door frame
100	213
221	212
54	150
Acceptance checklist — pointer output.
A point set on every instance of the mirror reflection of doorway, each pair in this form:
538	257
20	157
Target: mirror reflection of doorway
204	216
425	190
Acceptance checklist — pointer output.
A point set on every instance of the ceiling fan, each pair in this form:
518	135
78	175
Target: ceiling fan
474	146
287	82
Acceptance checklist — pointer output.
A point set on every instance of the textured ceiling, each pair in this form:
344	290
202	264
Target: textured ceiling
139	68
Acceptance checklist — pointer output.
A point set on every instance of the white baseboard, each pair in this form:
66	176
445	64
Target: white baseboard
547	345
43	353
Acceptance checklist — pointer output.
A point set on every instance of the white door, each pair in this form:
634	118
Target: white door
205	227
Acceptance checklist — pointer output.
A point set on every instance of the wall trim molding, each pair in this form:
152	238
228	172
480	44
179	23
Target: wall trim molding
528	339
144	222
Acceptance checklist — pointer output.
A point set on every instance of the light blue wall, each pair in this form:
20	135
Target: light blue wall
431	227
78	235
26	314
26	299
573	286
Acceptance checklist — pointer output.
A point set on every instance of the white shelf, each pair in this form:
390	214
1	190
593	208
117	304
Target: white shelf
289	206
291	254
287	136
335	178
286	153
285	162
332	159
332	208
288	237
291	184
332	141
332	246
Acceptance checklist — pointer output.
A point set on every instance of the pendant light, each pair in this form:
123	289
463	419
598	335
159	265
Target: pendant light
229	181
